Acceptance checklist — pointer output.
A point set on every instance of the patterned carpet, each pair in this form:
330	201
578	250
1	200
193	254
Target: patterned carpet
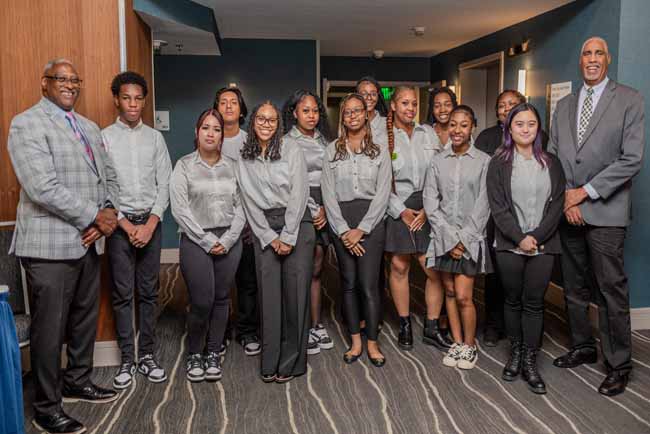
414	393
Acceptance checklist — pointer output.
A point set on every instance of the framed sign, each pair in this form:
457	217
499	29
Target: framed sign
554	93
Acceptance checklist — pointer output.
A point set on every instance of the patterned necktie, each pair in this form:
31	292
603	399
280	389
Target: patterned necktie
585	114
79	135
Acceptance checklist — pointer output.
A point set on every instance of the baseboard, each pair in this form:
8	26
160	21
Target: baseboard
169	256
107	353
640	316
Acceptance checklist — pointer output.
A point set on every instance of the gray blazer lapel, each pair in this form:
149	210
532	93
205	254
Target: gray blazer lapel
573	118
603	103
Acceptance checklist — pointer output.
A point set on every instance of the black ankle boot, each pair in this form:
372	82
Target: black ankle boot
405	338
529	371
431	335
513	367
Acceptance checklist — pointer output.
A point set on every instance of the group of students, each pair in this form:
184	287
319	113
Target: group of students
270	201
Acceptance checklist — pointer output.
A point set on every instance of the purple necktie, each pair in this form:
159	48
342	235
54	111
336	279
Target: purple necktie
77	132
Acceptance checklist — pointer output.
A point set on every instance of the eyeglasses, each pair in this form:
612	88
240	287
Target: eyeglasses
261	120
352	112
75	81
372	95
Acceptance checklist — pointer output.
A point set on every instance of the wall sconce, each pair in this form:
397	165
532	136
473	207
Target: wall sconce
518	49
521	82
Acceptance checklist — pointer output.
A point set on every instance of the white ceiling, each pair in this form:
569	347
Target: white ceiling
357	27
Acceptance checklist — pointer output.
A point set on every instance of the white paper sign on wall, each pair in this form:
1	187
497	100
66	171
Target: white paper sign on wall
554	93
162	120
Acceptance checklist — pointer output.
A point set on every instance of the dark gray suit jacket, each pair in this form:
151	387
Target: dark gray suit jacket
610	155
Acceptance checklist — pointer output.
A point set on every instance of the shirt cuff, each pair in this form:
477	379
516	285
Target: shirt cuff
267	237
208	242
288	238
593	194
158	211
395	210
227	241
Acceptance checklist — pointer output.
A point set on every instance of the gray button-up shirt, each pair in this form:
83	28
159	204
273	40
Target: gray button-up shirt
436	139
143	167
232	145
357	177
378	125
411	158
531	187
313	149
456	203
206	197
266	185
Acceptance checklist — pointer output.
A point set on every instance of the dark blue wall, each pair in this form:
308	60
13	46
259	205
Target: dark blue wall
633	70
262	69
556	40
386	69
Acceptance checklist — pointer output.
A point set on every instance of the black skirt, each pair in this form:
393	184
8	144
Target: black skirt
399	239
322	235
467	267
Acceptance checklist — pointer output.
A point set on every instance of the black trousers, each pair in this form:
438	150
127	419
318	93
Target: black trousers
246	279
208	278
525	279
65	302
360	275
284	296
593	270
494	288
134	269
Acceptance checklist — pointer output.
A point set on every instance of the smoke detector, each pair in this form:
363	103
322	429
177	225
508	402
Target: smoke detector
418	30
377	54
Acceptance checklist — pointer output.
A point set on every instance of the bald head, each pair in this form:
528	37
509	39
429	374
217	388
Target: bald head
594	60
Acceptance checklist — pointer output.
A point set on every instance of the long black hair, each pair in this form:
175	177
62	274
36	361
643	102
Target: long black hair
290	106
381	106
431	119
252	149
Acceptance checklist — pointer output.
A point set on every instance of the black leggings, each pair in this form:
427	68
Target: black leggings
360	275
525	279
208	279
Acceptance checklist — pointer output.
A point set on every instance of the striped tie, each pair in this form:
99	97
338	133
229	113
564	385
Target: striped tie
79	135
585	114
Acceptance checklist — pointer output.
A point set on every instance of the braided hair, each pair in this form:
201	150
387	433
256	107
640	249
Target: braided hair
369	148
252	148
390	121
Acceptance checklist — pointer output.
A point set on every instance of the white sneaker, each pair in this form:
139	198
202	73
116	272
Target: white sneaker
124	377
213	371
452	356
148	367
312	343
194	368
324	340
468	357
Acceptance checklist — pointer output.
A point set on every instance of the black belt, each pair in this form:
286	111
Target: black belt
137	219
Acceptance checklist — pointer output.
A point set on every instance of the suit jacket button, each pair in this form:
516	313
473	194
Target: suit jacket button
541	247
578	161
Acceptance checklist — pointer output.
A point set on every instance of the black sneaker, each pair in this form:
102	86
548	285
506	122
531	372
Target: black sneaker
148	367
124	376
212	366
251	345
324	340
195	371
57	423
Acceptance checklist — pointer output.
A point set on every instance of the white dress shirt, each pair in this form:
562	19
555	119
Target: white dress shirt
232	145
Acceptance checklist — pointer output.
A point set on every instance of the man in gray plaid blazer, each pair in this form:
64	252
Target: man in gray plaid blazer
69	192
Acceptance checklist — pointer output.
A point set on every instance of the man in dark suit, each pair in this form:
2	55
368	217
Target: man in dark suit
598	135
67	204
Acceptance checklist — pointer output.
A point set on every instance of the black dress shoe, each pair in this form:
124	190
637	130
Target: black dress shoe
405	337
57	423
614	384
351	358
431	335
576	358
91	393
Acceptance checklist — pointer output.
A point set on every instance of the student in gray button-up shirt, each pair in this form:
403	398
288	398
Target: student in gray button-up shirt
206	205
305	120
274	186
356	186
455	200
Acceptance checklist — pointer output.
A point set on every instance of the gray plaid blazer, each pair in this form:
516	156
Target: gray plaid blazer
62	189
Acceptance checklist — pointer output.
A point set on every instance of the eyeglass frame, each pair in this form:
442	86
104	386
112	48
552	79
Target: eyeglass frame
63	80
272	122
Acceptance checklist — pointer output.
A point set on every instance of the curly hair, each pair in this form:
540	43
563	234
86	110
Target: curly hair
243	110
252	148
431	119
381	107
128	77
369	148
290	106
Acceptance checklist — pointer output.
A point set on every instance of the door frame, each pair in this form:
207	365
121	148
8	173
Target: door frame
477	63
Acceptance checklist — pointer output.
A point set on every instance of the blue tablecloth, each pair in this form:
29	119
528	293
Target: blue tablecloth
11	389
